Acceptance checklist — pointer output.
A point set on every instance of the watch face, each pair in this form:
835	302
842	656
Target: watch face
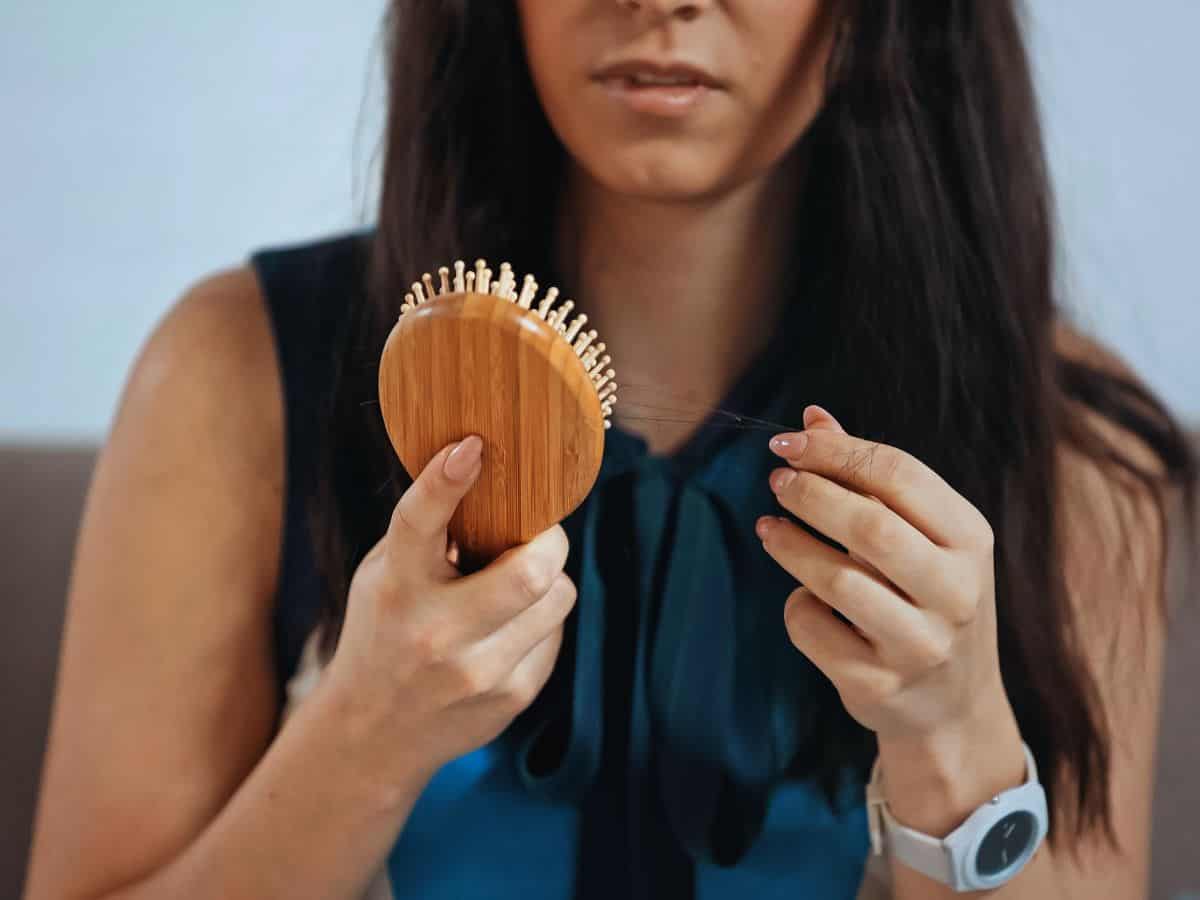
1006	843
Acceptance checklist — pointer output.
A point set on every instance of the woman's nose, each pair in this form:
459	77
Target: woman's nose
681	9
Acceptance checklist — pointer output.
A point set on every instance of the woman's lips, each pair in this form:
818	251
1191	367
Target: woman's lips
664	100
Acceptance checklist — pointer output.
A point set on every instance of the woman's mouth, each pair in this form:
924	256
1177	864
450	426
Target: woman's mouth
668	91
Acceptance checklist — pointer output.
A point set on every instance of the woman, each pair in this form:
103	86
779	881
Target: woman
764	206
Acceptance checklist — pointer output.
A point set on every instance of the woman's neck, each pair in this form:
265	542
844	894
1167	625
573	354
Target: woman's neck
684	294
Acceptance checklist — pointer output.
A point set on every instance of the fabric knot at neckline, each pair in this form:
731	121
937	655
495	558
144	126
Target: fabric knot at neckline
713	716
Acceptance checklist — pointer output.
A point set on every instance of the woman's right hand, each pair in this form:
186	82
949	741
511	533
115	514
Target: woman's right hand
431	664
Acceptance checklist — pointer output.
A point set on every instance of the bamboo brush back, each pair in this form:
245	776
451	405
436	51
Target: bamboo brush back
472	363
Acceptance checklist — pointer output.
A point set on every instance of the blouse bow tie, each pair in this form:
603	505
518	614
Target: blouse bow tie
714	711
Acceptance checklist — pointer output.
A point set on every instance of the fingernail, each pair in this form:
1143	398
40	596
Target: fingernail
781	478
460	462
763	526
791	444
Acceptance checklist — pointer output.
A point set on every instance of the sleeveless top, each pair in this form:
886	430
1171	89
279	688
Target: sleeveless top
654	762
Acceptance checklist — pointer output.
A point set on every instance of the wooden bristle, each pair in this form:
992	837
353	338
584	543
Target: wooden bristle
547	302
481	280
584	340
507	279
560	313
496	288
528	292
580	321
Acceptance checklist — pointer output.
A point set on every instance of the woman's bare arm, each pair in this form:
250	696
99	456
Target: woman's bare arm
1113	554
155	782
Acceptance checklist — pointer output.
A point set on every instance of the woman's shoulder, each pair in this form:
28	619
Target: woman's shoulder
213	350
1073	344
241	345
241	355
1112	537
202	414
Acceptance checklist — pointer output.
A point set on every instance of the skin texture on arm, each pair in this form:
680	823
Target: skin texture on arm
166	697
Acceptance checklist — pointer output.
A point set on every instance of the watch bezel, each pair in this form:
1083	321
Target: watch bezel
965	841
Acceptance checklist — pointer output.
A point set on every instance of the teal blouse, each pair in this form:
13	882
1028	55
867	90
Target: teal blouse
655	762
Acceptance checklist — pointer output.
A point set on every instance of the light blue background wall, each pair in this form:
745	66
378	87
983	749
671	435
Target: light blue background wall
145	144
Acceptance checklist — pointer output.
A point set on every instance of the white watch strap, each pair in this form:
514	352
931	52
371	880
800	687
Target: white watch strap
928	855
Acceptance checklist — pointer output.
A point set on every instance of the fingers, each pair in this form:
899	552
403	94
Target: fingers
832	645
516	581
504	655
903	635
530	675
874	608
818	417
902	482
873	532
416	535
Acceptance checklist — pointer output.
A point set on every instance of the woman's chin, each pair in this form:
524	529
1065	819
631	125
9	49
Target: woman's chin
662	177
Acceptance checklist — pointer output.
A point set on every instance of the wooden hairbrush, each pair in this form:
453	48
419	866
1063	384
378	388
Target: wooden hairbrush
473	355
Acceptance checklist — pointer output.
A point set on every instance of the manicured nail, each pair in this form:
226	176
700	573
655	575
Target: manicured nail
791	444
781	478
763	527
461	461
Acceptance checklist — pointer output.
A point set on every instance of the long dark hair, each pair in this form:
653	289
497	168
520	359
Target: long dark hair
926	173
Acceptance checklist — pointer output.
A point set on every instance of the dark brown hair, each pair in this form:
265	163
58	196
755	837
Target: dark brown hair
926	173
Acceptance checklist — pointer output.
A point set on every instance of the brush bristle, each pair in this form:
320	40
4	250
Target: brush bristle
481	280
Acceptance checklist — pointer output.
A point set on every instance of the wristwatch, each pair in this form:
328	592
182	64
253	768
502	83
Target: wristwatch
985	851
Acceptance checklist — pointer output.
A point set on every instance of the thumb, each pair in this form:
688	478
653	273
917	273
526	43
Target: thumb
819	417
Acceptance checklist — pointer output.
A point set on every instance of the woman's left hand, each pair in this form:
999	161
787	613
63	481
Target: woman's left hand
919	654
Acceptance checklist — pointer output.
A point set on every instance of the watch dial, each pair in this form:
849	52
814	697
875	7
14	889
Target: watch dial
1006	843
